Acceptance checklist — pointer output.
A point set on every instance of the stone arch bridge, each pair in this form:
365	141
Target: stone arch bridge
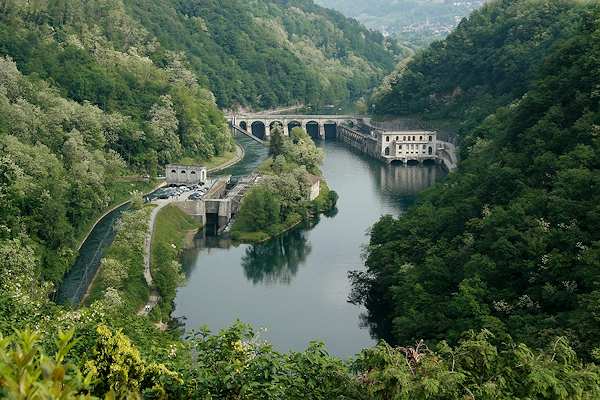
260	126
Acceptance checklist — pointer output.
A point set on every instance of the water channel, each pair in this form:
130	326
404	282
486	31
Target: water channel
296	286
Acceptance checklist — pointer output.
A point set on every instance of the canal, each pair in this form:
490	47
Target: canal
295	288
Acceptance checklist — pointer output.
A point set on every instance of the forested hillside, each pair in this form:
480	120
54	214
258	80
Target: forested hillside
488	61
267	53
92	91
510	242
497	268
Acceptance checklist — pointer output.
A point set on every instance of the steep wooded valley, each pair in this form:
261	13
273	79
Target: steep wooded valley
486	288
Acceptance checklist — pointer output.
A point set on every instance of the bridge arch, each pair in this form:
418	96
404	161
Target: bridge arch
274	125
313	128
258	129
293	124
330	129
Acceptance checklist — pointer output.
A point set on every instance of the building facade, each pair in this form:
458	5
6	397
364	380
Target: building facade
185	174
407	145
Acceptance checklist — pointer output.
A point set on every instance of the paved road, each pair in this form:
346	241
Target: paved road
160	204
154	296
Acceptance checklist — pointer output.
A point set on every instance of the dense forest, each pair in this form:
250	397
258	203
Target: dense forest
268	53
509	243
93	91
496	268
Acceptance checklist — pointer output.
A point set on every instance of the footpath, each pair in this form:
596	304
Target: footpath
160	204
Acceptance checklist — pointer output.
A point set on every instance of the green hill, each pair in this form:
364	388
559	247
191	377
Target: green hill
509	243
104	88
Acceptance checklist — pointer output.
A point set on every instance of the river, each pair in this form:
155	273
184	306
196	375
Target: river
296	287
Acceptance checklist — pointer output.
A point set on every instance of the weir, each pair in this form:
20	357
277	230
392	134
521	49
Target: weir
406	146
220	204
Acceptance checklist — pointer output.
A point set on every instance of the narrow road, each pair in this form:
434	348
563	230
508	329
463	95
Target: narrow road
154	295
160	204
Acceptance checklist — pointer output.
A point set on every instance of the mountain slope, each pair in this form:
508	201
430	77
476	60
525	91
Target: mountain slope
510	242
267	53
486	62
104	88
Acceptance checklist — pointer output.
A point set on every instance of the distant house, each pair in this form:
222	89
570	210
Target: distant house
185	174
315	186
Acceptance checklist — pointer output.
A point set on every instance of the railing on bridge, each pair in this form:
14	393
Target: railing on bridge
240	131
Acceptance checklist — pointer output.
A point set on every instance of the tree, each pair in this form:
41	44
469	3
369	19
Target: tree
261	208
276	142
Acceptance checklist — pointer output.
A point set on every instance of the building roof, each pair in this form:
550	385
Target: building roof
185	166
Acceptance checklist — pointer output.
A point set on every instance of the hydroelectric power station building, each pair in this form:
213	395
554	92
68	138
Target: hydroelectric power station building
185	174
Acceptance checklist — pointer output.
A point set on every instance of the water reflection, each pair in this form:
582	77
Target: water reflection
277	261
297	285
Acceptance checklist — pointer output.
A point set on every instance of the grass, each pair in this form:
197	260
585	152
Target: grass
214	162
127	250
171	229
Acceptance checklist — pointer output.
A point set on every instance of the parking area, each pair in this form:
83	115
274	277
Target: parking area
193	192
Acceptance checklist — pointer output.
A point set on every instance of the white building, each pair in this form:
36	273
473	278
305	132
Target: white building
407	145
185	174
315	187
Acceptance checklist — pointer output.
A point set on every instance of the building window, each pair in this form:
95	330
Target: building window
430	138
387	151
387	138
173	171
420	137
424	147
183	172
193	172
430	151
397	138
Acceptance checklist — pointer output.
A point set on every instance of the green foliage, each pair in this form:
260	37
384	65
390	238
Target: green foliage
276	142
171	229
123	279
120	369
488	61
476	369
26	372
261	209
237	364
282	198
509	242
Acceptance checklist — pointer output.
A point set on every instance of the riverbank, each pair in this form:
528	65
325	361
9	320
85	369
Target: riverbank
290	191
83	284
238	156
119	275
121	194
172	231
323	204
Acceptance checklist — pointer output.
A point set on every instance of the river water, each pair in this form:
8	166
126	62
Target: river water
296	287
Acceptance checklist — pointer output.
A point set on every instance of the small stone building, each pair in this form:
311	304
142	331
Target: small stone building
185	174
